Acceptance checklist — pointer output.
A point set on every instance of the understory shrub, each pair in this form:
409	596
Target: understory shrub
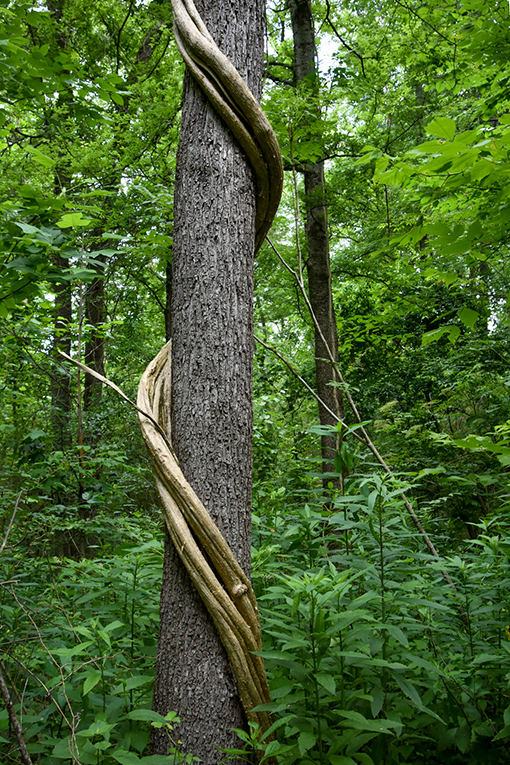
373	656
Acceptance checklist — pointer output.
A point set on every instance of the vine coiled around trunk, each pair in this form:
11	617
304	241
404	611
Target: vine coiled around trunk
222	584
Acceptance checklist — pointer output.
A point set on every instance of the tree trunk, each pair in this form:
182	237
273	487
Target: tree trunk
94	347
60	381
212	296
318	260
62	315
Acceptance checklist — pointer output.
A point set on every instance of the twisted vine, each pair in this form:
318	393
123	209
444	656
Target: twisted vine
222	584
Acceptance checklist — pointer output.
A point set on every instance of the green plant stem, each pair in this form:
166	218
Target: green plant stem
316	685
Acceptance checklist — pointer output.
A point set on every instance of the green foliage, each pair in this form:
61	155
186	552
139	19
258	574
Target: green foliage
78	642
373	656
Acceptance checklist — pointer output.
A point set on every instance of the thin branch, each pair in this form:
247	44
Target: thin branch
403	5
104	380
369	442
345	44
117	42
308	387
2	548
14	722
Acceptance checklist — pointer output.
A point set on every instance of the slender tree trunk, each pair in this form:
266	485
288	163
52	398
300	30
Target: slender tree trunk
212	352
62	315
60	381
94	347
318	260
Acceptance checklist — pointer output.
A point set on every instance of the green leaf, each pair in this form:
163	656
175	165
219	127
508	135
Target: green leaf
61	749
136	682
468	317
276	725
113	625
454	333
377	700
327	681
146	715
305	741
357	721
26	228
90	682
126	758
503	733
73	219
443	127
463	737
397	633
433	336
39	157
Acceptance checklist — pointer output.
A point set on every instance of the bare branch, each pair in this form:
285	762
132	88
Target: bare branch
368	440
2	548
14	722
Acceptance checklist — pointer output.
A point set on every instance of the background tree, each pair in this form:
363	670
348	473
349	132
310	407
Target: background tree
317	256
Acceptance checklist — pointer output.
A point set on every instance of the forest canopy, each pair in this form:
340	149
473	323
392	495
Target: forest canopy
381	536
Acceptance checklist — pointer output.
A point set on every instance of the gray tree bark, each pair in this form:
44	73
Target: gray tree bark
62	315
212	296
60	381
94	347
318	255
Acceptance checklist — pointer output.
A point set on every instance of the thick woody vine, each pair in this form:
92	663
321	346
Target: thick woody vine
223	586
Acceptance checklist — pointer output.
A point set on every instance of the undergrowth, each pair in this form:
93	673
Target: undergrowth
373	657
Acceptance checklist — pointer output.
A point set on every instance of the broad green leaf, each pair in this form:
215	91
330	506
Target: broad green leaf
433	336
39	157
454	333
136	682
97	728
468	317
443	127
305	741
463	737
61	749
123	757
73	219
26	228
